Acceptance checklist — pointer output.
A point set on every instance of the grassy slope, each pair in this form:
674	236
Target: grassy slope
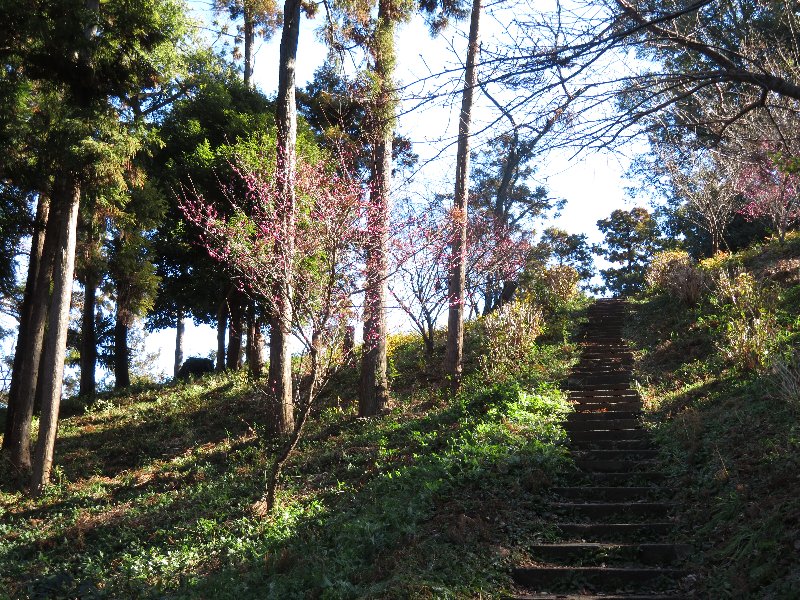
156	493
733	444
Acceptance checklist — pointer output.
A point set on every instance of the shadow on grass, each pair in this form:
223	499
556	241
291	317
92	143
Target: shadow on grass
735	452
396	507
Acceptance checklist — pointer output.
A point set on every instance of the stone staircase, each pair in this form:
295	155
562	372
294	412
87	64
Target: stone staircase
614	519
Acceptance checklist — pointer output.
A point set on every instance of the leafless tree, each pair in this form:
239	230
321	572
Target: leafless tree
706	182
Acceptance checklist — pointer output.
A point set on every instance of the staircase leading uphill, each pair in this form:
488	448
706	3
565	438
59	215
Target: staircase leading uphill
613	522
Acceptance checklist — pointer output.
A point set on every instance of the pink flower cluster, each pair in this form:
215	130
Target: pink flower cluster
301	246
771	191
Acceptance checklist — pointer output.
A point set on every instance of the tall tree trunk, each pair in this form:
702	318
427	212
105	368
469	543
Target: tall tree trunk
122	354
26	337
374	389
222	327
30	367
255	343
257	359
180	330
57	326
455	318
280	358
249	40
235	332
88	337
88	349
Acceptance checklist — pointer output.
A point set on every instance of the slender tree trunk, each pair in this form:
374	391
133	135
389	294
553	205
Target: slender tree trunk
255	343
280	358
374	389
222	327
57	326
258	351
88	348
235	332
427	339
180	330
349	345
30	367
488	296
248	347
88	337
297	431
122	354
249	40
455	318
26	338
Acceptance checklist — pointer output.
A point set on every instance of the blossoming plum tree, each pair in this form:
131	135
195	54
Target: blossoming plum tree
772	191
324	269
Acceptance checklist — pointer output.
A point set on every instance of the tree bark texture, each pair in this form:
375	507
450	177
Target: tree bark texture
297	430
57	326
255	343
30	366
88	349
280	358
249	41
222	327
349	345
122	354
25	334
455	318
374	389
88	338
180	331
235	331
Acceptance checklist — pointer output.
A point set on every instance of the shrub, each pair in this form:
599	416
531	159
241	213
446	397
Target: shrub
786	379
510	337
551	287
675	273
562	283
749	323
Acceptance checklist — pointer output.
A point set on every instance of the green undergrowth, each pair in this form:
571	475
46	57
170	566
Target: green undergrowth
732	439
156	493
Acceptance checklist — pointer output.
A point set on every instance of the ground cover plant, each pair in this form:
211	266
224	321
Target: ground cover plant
156	493
727	413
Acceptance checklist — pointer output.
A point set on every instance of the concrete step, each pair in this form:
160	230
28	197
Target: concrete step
616	532
609	579
604	395
592	435
585	380
598	552
589	596
603	414
597	387
620	358
601	368
634	406
605	511
615	444
627	478
614	465
598	423
617	454
614	494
